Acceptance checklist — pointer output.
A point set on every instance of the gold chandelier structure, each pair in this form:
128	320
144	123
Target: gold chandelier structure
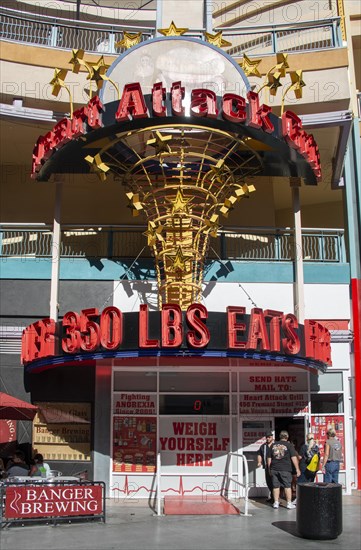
182	178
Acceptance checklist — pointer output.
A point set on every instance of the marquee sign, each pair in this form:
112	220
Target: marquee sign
266	335
205	105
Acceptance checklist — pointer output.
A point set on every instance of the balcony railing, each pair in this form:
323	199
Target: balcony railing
66	34
124	242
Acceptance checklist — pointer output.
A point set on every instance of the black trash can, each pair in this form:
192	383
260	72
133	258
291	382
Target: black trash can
319	510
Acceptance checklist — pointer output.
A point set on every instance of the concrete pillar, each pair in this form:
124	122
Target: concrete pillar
299	299
102	415
55	253
191	16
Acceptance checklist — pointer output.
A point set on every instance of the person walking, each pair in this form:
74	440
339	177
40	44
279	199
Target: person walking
262	456
332	457
306	456
282	455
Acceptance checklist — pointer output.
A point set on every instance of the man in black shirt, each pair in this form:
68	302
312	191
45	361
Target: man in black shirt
262	455
282	455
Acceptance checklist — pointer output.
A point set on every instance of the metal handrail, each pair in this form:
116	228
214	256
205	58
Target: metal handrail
236	481
125	241
64	33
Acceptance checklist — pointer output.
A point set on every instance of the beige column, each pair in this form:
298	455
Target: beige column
299	299
184	14
55	253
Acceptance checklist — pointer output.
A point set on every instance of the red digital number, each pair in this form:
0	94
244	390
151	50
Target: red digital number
197	405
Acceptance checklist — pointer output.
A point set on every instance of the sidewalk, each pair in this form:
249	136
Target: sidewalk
132	525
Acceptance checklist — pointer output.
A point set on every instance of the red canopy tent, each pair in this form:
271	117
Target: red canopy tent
12	408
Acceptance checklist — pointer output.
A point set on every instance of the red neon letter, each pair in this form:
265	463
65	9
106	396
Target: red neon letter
259	115
94	108
234	327
291	343
132	103
177	94
158	97
172	329
234	108
257	331
200	336
275	317
144	341
291	129
204	103
111	327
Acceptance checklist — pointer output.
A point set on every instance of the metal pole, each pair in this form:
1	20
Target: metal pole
55	253
299	298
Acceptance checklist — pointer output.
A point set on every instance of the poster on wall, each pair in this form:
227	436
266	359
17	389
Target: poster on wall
319	427
134	444
131	403
186	445
61	431
273	404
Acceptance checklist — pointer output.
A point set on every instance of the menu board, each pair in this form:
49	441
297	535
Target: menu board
134	443
319	427
61	431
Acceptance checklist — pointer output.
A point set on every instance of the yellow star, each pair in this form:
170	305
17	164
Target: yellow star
129	40
297	83
154	233
212	225
98	166
219	171
77	60
217	40
180	204
282	63
173	30
250	66
160	143
178	260
274	83
135	203
97	72
58	81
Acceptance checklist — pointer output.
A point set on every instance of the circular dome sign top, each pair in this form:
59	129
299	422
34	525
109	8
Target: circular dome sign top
196	64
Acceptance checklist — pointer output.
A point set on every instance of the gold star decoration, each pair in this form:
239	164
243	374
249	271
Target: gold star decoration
98	166
58	81
297	83
97	72
250	67
217	40
178	260
218	171
135	203
282	63
180	204
173	30
274	83
244	190
154	233
160	143
77	60
129	40
212	225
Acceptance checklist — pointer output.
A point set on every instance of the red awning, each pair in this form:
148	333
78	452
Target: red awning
12	408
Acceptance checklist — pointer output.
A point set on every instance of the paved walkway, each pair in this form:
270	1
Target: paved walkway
132	526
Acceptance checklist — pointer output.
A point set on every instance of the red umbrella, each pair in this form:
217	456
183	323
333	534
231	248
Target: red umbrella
12	408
